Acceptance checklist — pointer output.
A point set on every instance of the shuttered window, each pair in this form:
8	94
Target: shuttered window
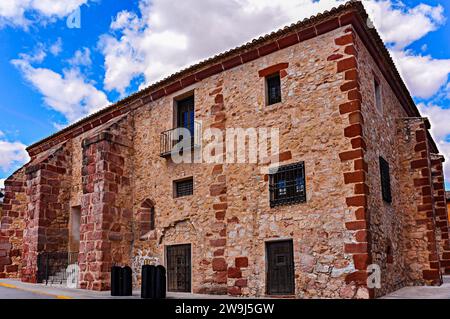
287	185
385	180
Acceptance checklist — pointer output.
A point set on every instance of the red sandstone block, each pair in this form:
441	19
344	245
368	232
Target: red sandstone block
431	274
360	213
350	155
218	189
241	283
350	85
220	215
359	277
5	261
220	277
218	242
355	118
345	39
234	291
241	262
173	87
356	225
350	50
231	63
351	75
219	252
354	95
327	26
361	236
421	181
273	69
421	136
419	163
361	189
12	268
250	55
268	48
346	64
420	147
360	164
307	34
219	264
361	261
354	177
353	130
358	248
234	272
335	56
288	41
350	107
212	70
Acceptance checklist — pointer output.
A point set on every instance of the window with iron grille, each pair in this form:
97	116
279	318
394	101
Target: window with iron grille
385	180
273	84
184	187
287	185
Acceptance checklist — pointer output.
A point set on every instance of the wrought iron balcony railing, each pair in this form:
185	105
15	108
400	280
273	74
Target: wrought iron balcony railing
184	138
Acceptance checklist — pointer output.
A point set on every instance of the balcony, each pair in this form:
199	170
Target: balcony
169	139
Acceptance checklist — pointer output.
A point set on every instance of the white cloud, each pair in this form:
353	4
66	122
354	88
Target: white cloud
423	75
56	47
440	130
12	155
22	13
68	93
81	58
401	25
168	35
2	183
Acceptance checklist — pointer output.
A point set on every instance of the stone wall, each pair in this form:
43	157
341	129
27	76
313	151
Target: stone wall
106	215
229	219
47	215
12	225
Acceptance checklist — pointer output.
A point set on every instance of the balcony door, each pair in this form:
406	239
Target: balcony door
185	114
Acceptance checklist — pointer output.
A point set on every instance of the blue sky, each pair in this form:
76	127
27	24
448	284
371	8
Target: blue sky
52	75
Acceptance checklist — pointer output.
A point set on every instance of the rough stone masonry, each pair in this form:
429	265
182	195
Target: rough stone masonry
373	181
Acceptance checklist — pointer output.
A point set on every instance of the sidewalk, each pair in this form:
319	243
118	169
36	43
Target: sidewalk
59	292
422	292
42	291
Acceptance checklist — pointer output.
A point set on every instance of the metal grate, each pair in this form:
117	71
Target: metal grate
184	187
287	185
385	180
169	139
273	89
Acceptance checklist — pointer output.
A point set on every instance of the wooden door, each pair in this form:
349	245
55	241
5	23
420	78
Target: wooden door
280	268
179	268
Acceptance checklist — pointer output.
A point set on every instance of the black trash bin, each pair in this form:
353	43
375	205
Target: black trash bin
116	281
127	281
160	284
148	282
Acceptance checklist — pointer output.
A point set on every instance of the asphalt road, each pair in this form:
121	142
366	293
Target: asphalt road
8	293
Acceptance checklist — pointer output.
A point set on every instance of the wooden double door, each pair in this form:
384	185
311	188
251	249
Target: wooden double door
280	268
179	268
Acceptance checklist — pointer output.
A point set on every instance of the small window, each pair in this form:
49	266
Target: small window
385	181
287	185
184	187
378	102
273	84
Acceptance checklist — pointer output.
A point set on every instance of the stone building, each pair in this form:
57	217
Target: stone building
359	187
